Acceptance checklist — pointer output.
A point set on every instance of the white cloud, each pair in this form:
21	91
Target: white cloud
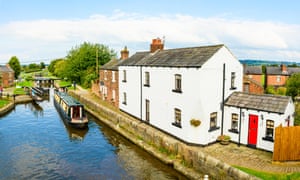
48	39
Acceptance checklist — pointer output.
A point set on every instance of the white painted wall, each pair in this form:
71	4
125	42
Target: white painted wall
201	95
261	144
132	88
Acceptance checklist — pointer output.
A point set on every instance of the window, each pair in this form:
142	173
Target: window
177	119
124	98
177	83
113	76
269	129
105	75
147	110
147	79
124	76
213	121
278	79
234	122
233	80
113	95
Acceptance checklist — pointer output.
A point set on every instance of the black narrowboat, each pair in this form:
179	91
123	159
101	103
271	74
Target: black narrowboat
71	110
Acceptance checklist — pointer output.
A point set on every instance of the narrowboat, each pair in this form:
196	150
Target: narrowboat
71	110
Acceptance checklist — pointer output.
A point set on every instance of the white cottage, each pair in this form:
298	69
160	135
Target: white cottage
169	88
251	119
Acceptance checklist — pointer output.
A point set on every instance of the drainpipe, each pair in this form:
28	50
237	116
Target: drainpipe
240	127
223	99
141	98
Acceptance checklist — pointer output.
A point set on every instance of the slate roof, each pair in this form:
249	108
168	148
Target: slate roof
277	70
111	65
253	70
5	69
134	59
264	102
181	57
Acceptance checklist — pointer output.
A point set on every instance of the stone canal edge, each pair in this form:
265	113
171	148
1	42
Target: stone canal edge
186	159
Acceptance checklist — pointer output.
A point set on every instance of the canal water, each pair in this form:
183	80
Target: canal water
36	144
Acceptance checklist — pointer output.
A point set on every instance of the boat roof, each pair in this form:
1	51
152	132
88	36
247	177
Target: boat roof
69	100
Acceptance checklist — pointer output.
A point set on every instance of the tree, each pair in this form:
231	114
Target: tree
81	62
51	67
15	65
293	85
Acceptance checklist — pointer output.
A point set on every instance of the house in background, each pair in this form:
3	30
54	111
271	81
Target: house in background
7	76
253	80
251	119
169	88
109	80
277	76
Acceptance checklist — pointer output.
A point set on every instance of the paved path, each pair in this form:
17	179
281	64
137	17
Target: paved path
233	154
251	158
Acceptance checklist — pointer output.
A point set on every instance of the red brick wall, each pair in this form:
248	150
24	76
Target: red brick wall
110	85
272	80
252	87
8	79
255	77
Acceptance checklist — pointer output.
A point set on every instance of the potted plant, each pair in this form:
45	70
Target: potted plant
195	122
224	139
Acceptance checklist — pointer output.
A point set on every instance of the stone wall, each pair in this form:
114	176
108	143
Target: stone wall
189	160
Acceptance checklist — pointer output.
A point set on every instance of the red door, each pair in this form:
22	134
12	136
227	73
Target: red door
252	131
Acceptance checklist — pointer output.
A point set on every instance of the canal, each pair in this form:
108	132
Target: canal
36	144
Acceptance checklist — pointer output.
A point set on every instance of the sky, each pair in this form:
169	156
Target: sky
43	30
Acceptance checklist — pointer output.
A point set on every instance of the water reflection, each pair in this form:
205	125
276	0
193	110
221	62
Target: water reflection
76	134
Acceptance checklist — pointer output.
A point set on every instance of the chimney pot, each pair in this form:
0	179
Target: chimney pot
156	44
124	53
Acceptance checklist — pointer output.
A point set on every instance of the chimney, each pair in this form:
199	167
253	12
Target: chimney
283	68
156	44
124	53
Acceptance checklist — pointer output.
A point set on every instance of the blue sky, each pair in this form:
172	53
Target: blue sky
42	30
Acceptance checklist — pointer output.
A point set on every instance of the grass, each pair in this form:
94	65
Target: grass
3	102
268	175
25	84
19	91
64	84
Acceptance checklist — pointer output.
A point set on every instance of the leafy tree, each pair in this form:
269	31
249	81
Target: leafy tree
281	91
293	85
14	63
81	62
51	67
42	65
270	90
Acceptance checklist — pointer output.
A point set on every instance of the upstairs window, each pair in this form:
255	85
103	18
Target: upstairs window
233	80
113	76
124	76
177	83
147	79
177	119
278	79
105	75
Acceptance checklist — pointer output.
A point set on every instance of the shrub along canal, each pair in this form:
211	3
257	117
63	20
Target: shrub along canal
36	144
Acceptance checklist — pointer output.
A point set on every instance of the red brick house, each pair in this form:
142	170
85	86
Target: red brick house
7	76
109	80
277	76
253	80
